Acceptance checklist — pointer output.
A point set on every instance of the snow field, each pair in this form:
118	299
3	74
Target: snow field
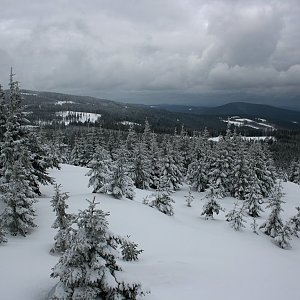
185	256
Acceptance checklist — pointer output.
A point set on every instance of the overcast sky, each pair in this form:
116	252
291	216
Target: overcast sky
151	51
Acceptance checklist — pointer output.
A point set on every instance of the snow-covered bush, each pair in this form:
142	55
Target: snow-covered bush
236	217
211	206
162	201
283	237
294	223
88	269
130	250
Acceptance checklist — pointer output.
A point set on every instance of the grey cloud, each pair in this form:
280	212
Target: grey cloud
153	50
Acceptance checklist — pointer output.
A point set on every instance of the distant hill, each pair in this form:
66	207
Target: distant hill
278	116
46	108
49	108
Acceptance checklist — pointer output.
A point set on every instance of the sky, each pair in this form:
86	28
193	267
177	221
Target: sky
195	52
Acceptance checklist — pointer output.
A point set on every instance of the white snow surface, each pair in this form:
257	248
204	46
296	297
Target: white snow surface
185	256
30	94
64	102
78	116
129	123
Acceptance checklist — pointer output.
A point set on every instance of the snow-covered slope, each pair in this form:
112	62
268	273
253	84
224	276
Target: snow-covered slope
185	256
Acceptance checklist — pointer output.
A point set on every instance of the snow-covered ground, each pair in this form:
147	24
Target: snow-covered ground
64	102
77	116
185	256
129	123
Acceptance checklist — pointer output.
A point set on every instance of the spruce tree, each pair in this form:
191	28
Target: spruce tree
254	226
294	223
218	174
211	206
129	249
170	171
62	222
3	114
189	198
283	237
40	160
263	167
3	231
253	196
88	269
161	199
146	136
241	176
236	217
274	225
294	172
19	213
142	167
16	174
155	162
197	175
101	170
198	169
120	184
221	165
131	139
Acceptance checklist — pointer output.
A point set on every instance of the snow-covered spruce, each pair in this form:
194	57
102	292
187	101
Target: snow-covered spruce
130	249
17	177
253	197
3	114
197	175
283	237
211	206
236	217
62	222
141	166
254	226
170	169
161	199
294	172
294	223
189	198
19	214
220	168
274	225
100	171
119	184
88	269
263	167
3	232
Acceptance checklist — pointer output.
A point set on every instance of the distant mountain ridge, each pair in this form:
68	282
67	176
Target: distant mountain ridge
46	105
281	116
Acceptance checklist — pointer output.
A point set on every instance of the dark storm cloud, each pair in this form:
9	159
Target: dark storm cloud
161	49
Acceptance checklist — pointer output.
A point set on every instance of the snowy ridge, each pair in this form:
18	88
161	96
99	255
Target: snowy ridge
185	256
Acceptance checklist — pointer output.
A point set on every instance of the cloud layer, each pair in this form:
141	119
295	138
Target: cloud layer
154	50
